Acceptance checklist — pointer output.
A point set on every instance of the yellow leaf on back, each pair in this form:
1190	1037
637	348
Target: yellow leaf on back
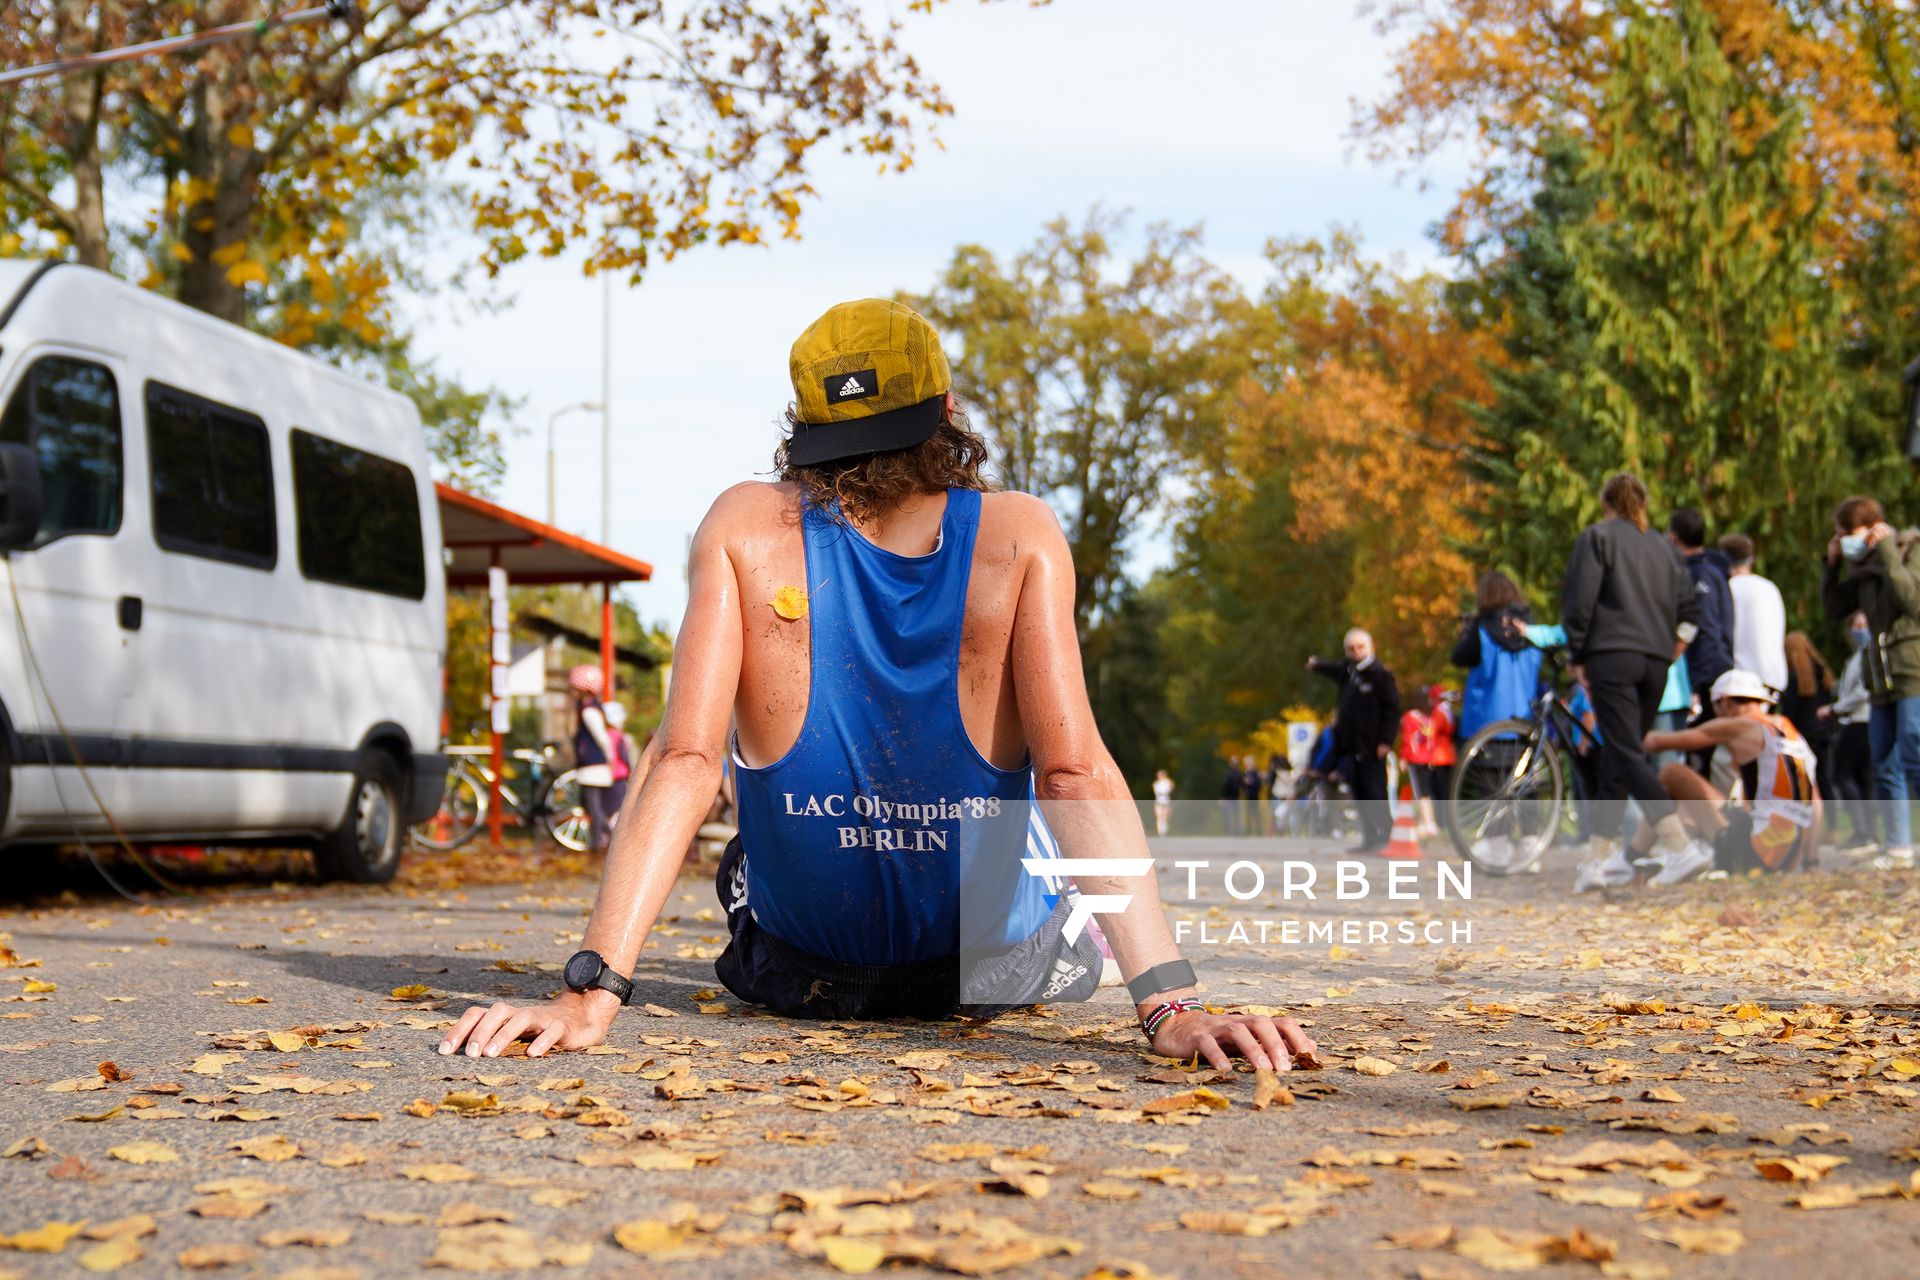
413	991
791	604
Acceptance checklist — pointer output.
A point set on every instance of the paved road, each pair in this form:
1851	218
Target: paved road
255	1033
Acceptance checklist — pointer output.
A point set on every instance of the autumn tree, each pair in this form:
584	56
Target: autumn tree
622	129
1092	375
1369	417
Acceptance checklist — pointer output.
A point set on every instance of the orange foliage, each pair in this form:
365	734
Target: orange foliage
1368	415
1500	75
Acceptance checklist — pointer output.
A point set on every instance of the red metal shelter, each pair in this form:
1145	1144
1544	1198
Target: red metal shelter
490	546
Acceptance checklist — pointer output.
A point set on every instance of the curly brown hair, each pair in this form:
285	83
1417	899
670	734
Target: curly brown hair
953	457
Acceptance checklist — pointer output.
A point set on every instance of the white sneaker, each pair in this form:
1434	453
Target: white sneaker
1610	872
1684	864
1894	860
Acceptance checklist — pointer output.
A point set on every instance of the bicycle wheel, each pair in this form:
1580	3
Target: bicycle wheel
1508	789
563	811
462	812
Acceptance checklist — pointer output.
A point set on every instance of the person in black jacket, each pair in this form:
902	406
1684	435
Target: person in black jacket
1710	656
1629	609
1364	727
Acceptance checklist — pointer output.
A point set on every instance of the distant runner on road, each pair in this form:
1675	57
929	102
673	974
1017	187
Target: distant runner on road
895	649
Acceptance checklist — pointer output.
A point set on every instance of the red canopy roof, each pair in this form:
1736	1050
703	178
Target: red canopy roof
478	534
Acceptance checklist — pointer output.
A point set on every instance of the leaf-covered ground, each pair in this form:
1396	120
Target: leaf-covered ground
1719	1080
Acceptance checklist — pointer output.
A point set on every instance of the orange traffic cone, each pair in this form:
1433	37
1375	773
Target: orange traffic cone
1405	842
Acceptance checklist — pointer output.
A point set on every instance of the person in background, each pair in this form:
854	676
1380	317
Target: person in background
1629	607
1776	824
1676	706
1232	794
1416	752
1805	698
1852	751
624	757
1365	723
1162	801
1759	615
1711	653
1250	780
1503	670
1877	572
1442	753
592	751
1279	778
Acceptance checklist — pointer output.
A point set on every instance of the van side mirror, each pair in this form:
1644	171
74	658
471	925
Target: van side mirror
20	505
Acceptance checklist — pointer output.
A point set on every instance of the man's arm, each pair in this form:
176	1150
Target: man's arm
1334	671
1389	708
1720	731
1906	590
1579	592
1089	809
1839	592
658	823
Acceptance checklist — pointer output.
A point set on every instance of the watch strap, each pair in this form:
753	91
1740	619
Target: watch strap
1170	976
608	980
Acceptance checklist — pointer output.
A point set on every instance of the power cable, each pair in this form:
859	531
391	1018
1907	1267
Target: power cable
339	10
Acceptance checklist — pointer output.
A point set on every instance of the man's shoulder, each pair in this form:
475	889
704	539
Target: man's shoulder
752	504
1021	524
1017	509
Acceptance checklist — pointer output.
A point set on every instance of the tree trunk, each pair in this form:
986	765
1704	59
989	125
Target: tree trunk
223	179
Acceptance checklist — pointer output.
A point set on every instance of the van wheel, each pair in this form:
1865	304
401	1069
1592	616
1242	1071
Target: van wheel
366	847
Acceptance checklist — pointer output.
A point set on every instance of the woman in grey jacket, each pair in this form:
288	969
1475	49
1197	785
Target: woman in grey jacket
1629	608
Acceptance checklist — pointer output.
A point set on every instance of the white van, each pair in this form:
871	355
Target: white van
223	590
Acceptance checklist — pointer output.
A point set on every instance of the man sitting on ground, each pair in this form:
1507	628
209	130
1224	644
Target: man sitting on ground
894	649
1777	825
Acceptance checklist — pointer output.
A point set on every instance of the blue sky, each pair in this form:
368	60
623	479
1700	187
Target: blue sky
1232	115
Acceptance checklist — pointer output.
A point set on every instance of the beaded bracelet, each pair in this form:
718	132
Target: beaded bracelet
1152	1022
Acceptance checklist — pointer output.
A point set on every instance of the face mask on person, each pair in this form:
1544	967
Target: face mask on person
1859	636
1853	546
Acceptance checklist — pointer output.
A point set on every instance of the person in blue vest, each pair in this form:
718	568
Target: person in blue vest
1503	668
888	653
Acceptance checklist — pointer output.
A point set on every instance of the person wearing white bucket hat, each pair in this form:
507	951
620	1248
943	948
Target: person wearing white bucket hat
1775	825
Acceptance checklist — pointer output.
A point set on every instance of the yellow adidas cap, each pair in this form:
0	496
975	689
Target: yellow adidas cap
868	376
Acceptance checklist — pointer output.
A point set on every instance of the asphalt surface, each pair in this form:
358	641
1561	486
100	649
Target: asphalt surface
1730	1040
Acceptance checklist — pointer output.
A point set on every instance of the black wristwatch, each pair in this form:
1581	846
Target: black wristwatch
586	970
1170	976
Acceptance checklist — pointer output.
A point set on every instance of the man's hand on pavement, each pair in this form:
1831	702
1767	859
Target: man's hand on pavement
572	1021
1270	1044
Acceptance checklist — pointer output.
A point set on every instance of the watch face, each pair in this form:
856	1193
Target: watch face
582	969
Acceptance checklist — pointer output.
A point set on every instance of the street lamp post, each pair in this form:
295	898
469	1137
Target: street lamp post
557	415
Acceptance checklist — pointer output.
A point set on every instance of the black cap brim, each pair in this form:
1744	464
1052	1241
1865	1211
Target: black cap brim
815	443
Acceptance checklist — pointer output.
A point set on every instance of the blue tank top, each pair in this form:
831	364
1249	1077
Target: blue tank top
859	840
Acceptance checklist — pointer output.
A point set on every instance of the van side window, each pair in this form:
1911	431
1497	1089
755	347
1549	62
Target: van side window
212	479
359	518
69	412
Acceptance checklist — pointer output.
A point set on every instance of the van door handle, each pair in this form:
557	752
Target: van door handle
130	613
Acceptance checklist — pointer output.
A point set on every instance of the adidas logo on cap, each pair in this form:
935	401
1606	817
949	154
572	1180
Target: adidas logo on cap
852	387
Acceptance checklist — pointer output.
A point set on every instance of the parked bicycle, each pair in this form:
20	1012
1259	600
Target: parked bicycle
1512	782
553	800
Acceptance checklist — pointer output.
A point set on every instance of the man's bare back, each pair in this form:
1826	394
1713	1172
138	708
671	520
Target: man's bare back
759	525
